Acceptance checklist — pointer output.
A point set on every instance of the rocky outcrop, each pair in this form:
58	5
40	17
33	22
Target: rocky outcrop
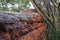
27	25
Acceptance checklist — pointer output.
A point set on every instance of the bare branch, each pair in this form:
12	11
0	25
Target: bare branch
41	11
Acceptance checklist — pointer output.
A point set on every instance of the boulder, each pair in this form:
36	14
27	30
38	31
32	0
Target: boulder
27	25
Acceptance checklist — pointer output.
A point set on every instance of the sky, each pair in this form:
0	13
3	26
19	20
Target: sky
31	6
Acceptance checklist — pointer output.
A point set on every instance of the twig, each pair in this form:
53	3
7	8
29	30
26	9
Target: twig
41	11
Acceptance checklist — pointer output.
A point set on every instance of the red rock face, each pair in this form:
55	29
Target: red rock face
28	25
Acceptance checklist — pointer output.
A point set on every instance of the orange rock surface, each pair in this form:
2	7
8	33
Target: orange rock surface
31	26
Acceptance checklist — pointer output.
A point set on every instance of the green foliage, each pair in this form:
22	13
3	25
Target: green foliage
22	4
